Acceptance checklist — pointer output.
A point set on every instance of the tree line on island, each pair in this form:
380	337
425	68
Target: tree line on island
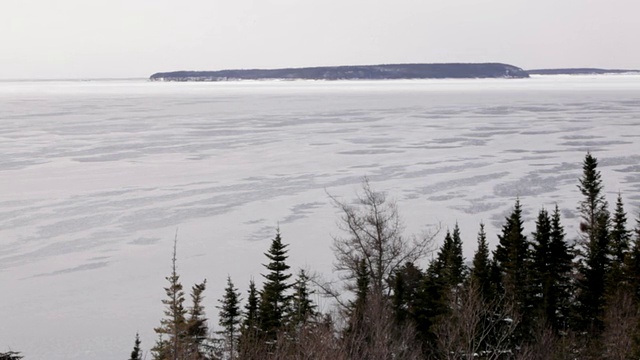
535	296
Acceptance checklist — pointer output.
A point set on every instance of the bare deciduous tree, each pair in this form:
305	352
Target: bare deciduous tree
620	325
374	234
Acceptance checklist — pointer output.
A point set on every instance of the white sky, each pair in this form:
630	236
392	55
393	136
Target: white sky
135	38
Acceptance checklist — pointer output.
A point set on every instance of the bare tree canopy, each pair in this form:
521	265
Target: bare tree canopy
374	235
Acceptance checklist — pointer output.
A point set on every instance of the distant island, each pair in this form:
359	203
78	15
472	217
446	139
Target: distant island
581	71
381	72
362	72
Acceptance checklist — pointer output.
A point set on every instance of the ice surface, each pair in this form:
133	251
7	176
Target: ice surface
96	177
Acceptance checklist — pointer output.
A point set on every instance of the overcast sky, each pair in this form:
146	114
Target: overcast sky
135	38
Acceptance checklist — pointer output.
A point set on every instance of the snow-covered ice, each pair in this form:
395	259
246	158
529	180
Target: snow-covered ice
96	177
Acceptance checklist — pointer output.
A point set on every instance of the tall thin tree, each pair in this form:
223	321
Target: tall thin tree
594	263
275	299
230	317
174	325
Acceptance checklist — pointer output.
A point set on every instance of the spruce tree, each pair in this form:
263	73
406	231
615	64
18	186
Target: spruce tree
274	301
406	286
513	264
230	317
542	278
619	246
458	270
632	263
511	257
552	264
362	291
449	264
595	261
594	204
136	354
481	271
197	329
302	309
251	308
174	325
594	268
561	265
250	329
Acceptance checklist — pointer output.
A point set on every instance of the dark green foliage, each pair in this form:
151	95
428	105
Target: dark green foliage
551	270
449	265
618	249
302	308
561	263
136	354
11	355
592	283
275	302
511	256
594	265
230	317
249	330
481	271
513	265
407	284
594	204
632	263
197	329
251	308
418	300
530	300
362	293
172	330
458	270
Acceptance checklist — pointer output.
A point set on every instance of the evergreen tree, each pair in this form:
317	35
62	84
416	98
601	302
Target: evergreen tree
619	246
174	325
302	308
591	284
542	279
136	354
632	263
251	308
275	302
594	204
552	263
561	265
511	257
230	316
513	264
406	286
449	264
197	329
363	280
249	330
594	265
481	271
458	270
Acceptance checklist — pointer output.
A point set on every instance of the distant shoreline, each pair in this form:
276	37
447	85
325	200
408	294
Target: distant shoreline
380	72
360	72
581	71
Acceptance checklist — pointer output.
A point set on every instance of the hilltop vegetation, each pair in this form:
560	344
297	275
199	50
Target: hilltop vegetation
535	296
364	72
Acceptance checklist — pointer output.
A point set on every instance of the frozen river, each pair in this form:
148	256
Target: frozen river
96	177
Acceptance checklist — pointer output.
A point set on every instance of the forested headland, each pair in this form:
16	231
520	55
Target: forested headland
539	295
